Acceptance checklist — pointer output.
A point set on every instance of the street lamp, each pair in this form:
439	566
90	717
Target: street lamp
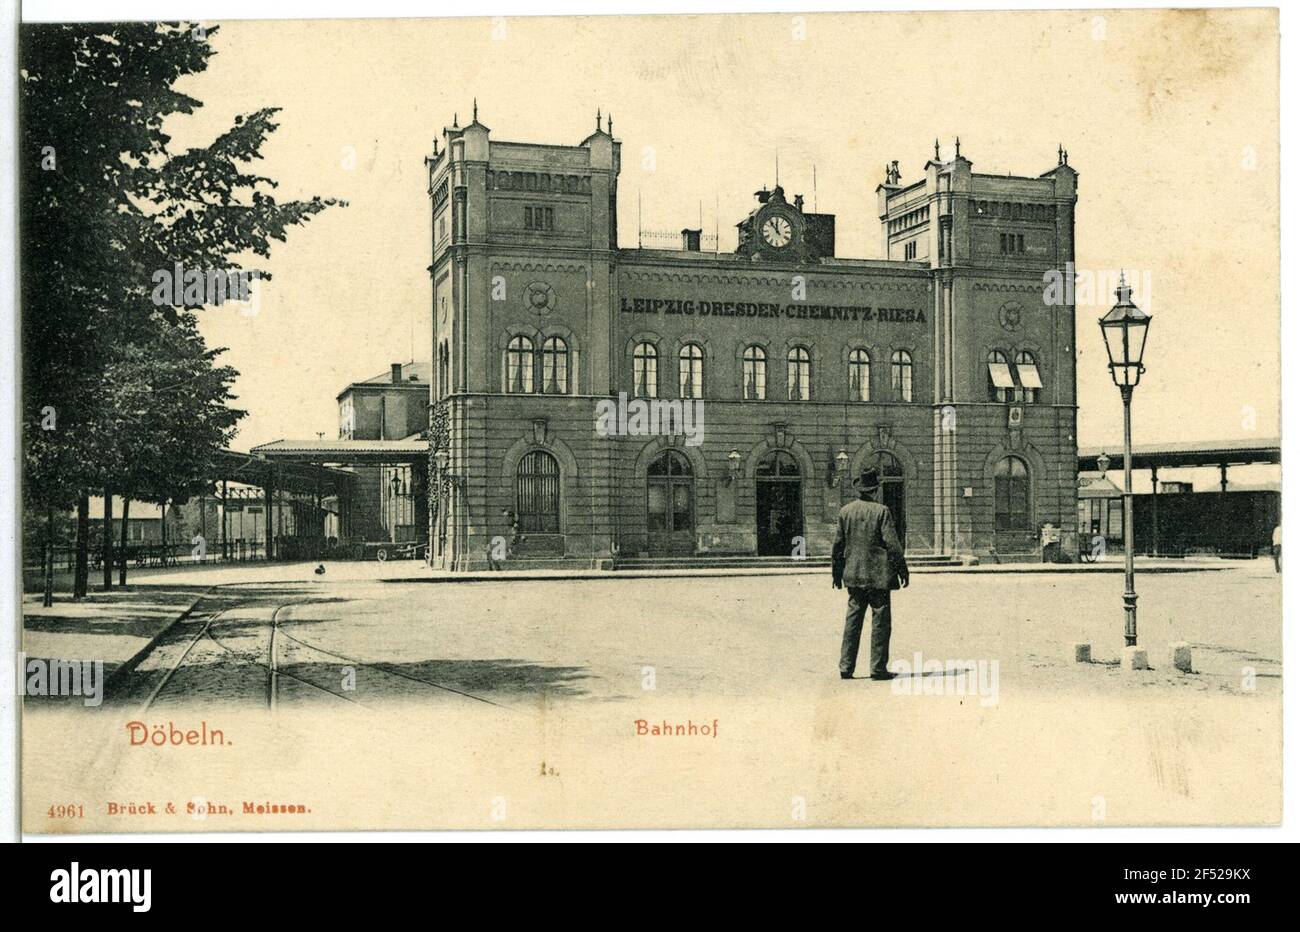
1103	465
1125	330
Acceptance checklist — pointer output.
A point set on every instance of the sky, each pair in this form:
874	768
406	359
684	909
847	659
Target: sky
1170	118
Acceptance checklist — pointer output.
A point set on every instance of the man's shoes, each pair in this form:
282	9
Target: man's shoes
884	676
846	676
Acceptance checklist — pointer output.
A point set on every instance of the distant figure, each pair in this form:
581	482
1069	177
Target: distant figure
511	522
1277	549
868	558
320	569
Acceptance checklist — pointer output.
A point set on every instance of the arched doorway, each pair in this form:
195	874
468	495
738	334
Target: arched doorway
537	494
778	487
670	505
892	491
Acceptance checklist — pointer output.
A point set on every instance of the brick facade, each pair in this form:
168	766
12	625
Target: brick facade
538	316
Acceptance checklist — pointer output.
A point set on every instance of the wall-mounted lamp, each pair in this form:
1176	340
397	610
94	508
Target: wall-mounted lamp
841	468
733	466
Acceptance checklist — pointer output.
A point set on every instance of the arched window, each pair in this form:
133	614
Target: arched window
444	369
1031	382
1010	494
555	366
690	371
901	375
645	371
669	497
798	373
519	366
537	493
754	373
1001	385
777	464
859	375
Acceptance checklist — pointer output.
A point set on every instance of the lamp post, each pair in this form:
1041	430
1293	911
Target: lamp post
1124	328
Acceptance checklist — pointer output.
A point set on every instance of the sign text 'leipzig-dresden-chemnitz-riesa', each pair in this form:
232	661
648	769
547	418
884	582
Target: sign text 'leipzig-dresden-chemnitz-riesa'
798	311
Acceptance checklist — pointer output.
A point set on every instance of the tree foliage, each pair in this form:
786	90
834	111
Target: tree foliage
136	400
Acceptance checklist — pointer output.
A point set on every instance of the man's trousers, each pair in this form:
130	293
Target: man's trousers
859	600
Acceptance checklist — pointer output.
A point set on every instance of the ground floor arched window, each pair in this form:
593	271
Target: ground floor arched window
670	511
537	493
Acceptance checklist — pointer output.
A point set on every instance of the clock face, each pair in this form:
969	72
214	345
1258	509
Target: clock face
777	232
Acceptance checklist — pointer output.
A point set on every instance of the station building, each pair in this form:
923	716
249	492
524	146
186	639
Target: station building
944	364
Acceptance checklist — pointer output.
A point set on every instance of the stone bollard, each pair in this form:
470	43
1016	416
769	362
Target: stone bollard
1181	656
1082	652
1134	658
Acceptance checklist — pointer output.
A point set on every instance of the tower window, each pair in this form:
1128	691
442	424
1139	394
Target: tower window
555	367
909	250
1001	384
539	218
519	366
1031	382
1010	244
645	371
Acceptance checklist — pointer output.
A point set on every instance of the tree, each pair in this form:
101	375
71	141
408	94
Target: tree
104	205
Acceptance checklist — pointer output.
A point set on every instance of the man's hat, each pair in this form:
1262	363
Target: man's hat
869	481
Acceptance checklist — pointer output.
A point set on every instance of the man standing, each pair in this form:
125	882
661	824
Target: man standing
868	558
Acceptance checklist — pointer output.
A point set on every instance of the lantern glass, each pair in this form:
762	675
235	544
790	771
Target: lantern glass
1125	331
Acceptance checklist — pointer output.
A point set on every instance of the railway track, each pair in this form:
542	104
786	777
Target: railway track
287	664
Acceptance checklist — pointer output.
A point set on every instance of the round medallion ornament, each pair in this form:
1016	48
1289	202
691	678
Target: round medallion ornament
1010	316
539	297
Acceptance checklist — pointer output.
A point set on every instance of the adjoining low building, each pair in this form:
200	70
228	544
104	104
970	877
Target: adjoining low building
381	440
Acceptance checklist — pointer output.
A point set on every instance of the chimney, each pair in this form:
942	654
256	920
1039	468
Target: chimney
396	370
691	240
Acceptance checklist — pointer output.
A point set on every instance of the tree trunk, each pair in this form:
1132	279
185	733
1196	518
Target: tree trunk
162	510
126	510
107	536
81	576
48	562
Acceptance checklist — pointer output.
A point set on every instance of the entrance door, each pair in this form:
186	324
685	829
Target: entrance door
892	494
779	504
670	505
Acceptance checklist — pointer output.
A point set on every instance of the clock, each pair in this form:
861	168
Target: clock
777	231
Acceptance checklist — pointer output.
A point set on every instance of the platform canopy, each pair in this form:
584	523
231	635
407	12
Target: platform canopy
345	452
252	469
1221	453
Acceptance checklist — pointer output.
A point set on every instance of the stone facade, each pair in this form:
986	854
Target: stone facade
541	323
